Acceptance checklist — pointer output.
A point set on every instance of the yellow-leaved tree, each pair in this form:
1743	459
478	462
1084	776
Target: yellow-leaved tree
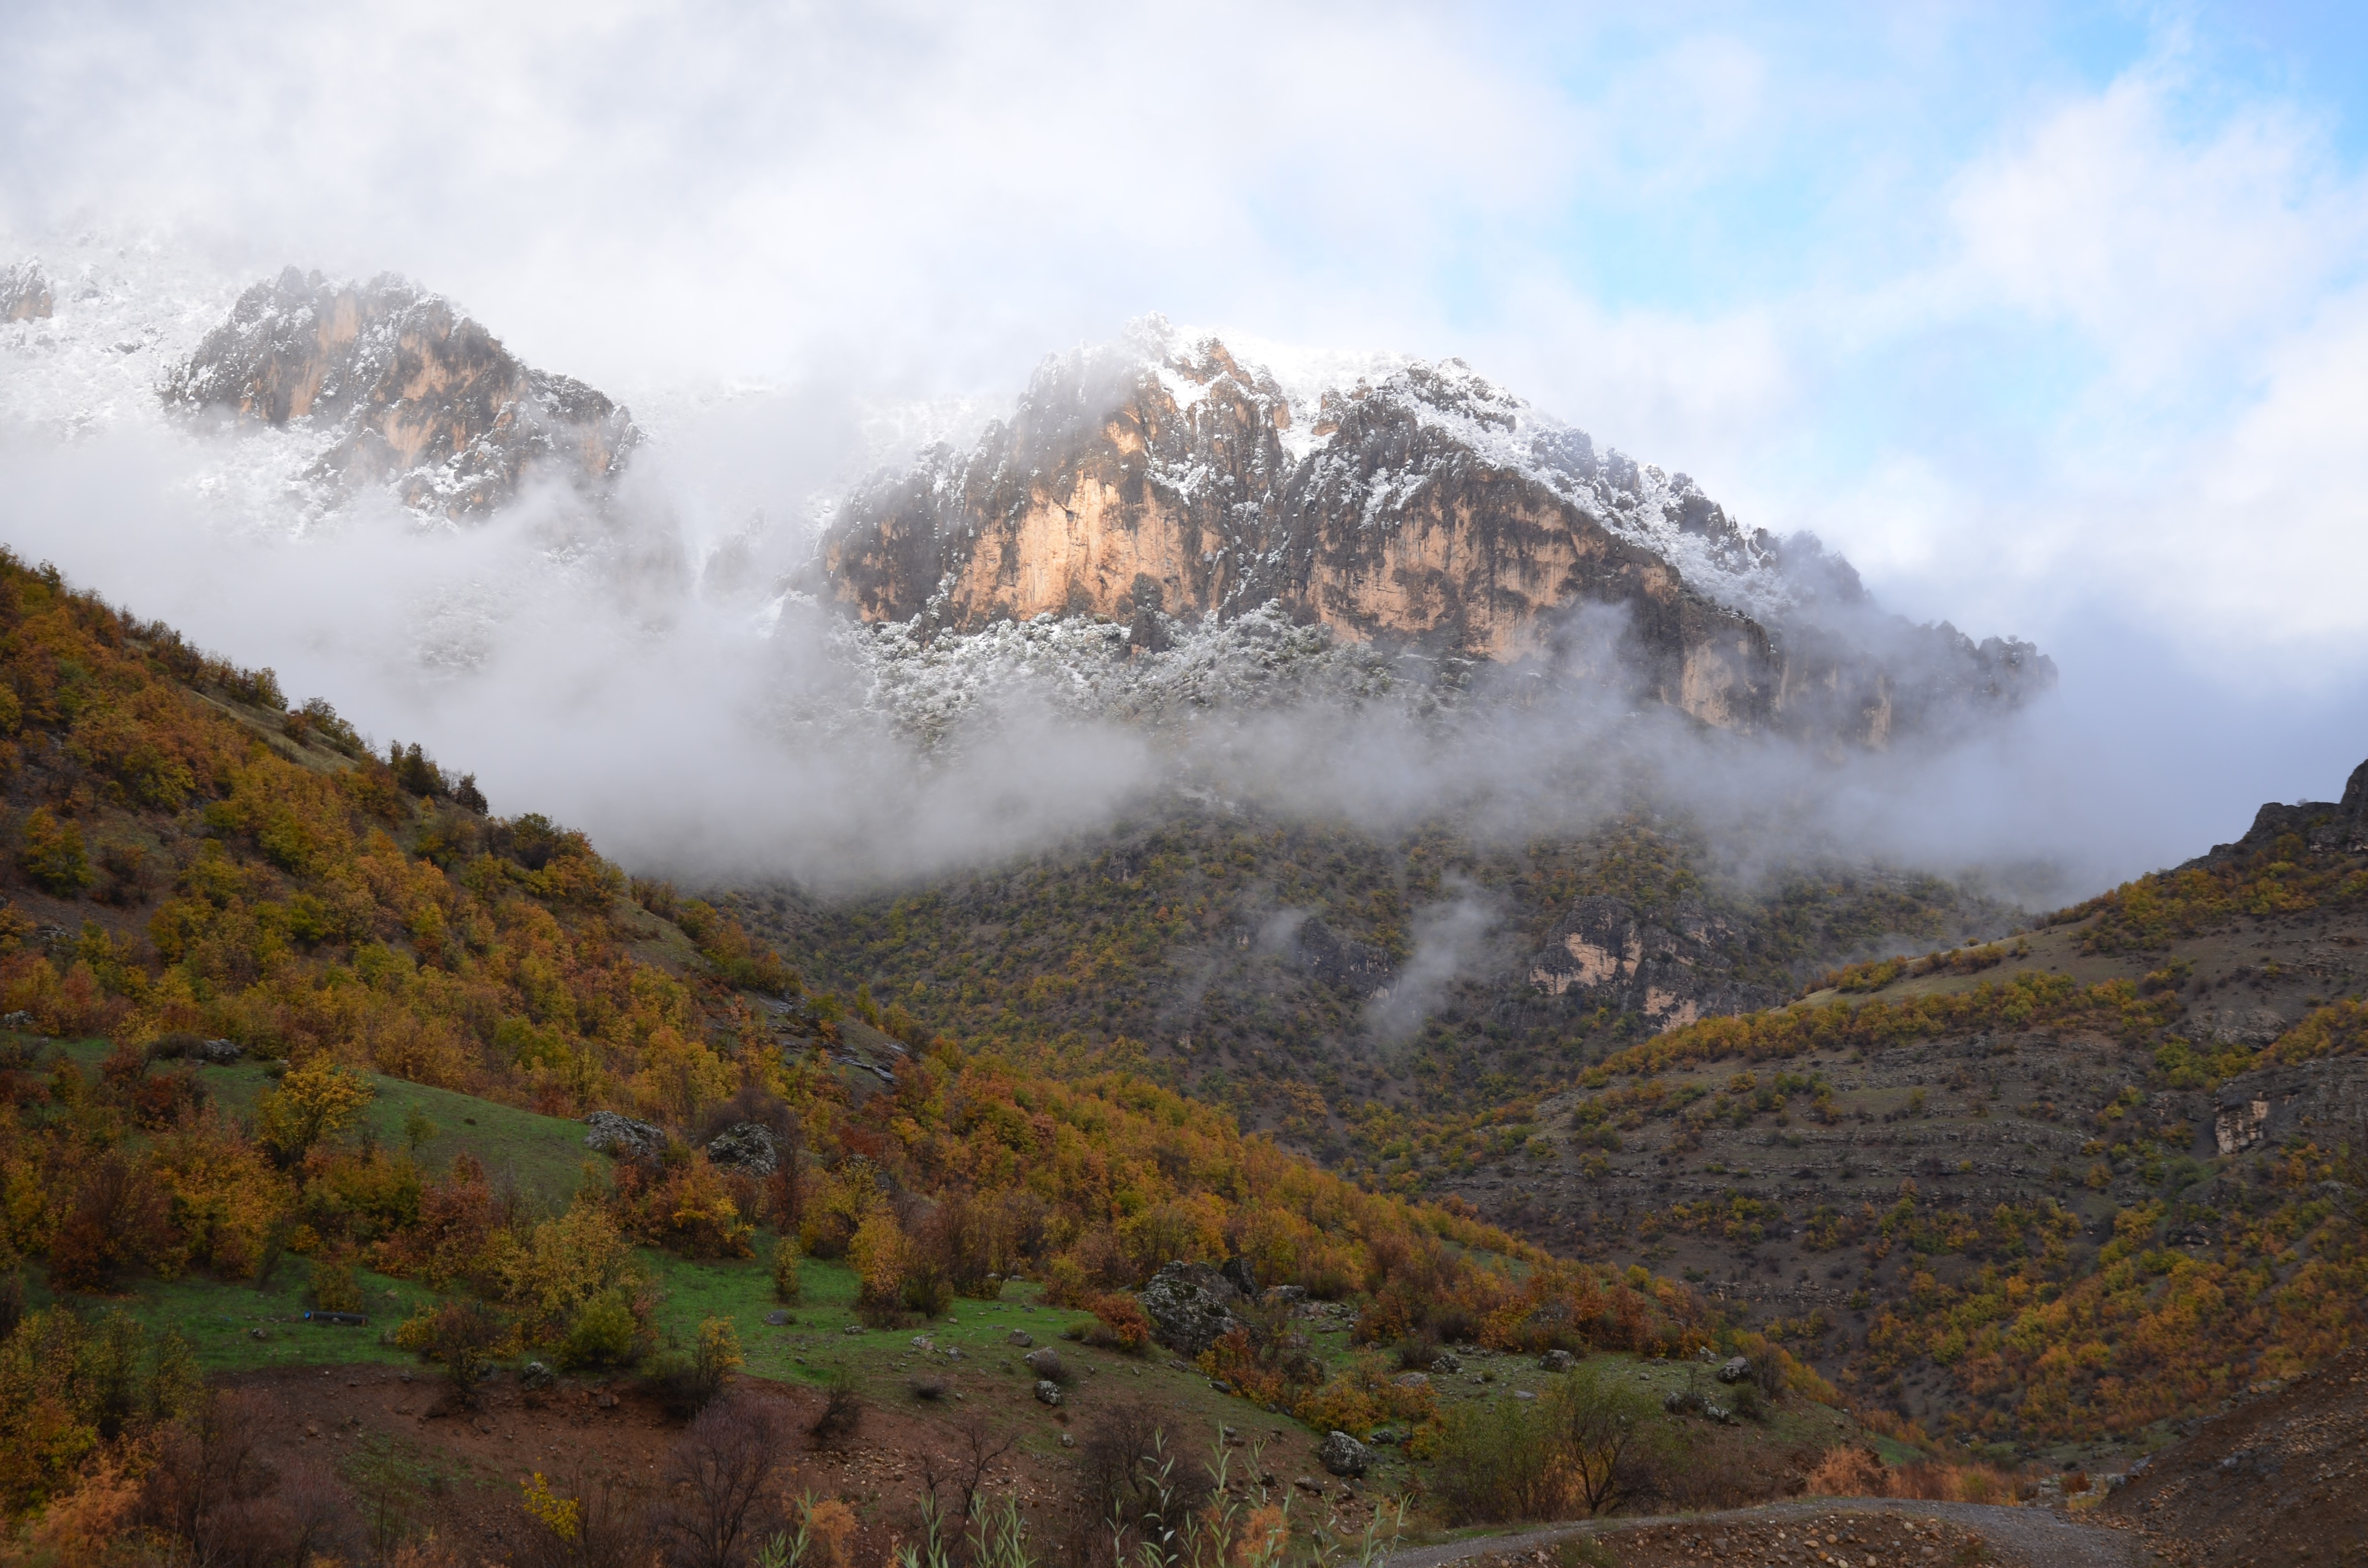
317	1098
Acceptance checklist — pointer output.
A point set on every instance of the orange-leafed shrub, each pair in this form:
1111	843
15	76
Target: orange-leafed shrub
1119	1323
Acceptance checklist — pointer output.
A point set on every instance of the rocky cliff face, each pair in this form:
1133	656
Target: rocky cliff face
414	395
1602	954
24	292
2323	827
1426	506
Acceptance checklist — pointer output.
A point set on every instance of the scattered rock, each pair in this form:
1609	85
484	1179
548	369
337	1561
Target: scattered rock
1067	1441
1412	1380
1735	1371
621	1137
745	1146
218	1052
852	1328
535	1375
923	1342
258	1334
1047	1391
1343	1455
1446	1361
1557	1361
485	1424
1523	1394
779	1317
1287	1295
1022	1338
1387	1436
1190	1306
20	1021
604	1400
1238	1275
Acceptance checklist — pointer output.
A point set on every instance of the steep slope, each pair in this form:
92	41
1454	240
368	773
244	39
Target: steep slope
2277	1480
1396	1003
405	392
1169	478
2077	1186
249	880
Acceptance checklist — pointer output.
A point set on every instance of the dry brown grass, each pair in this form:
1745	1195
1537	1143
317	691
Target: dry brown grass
1861	1472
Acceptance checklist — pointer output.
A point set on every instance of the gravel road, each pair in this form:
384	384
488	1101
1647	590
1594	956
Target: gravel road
2040	1537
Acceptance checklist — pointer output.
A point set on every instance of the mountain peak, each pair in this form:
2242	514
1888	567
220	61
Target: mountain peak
412	393
1389	499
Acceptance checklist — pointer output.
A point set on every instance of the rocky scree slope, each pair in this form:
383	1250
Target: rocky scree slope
408	392
2277	1480
1167	478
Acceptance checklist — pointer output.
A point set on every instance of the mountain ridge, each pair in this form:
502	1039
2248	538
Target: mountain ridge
1161	478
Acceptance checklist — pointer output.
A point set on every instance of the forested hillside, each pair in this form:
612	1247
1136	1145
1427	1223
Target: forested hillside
2083	1185
198	874
1395	1006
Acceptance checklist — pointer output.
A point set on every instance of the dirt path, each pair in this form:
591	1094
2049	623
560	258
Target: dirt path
1871	1533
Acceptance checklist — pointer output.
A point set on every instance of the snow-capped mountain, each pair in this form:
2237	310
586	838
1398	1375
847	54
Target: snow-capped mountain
1169	477
1163	514
325	391
404	392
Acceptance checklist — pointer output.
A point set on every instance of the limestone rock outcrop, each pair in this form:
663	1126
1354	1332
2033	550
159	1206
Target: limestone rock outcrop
2323	825
415	394
1190	1306
623	1138
1602	953
745	1146
1168	479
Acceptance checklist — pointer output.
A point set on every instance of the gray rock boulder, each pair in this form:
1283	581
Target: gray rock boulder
1735	1371
1022	1338
1190	1306
1557	1361
623	1138
1047	1391
746	1147
1343	1455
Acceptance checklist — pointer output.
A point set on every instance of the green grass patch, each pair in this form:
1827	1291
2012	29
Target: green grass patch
541	1156
816	1343
221	1319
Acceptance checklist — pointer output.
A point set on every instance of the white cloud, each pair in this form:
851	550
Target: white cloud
2106	360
